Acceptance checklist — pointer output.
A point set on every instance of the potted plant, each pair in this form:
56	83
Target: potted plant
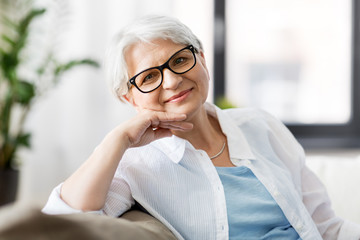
18	93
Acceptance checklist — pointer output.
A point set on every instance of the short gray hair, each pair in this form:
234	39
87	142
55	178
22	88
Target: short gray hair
144	29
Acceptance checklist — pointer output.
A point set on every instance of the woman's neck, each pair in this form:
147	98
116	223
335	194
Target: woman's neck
206	133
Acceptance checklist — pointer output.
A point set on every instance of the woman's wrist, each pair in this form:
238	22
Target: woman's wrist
117	140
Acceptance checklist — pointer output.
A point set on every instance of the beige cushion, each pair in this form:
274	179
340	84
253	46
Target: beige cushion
21	222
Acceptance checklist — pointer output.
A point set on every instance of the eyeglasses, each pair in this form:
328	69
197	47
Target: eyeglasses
180	62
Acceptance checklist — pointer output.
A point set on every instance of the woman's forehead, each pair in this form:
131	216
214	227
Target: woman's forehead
143	55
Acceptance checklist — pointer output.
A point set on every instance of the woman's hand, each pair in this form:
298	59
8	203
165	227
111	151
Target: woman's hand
149	126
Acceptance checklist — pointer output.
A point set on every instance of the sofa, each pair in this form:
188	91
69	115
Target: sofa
19	222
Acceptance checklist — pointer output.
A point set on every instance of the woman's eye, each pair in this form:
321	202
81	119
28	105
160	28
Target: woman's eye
147	78
180	60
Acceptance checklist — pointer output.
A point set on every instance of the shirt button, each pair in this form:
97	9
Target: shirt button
276	193
299	226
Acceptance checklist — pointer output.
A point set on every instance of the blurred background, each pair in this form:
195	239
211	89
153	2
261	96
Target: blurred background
295	59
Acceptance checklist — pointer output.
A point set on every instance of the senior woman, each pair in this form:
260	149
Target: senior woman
205	173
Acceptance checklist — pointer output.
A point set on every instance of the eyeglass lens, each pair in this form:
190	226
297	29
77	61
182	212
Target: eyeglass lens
152	78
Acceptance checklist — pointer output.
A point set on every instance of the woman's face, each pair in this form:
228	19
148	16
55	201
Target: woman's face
179	93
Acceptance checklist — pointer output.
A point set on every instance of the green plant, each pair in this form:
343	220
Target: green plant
224	103
17	93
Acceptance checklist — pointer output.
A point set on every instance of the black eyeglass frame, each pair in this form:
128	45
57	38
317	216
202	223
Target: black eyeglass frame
162	67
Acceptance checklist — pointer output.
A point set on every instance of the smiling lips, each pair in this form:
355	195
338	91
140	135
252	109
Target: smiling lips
179	97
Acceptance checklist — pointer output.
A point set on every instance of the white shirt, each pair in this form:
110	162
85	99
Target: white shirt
180	186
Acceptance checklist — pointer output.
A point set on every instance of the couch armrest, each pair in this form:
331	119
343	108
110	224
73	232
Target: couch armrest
21	222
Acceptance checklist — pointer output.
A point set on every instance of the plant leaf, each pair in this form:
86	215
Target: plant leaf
8	62
22	35
224	103
42	68
8	40
8	22
61	68
25	22
23	140
24	92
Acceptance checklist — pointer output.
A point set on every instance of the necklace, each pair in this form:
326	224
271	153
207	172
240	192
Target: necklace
219	153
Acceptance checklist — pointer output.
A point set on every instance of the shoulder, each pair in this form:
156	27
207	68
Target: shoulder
258	121
258	117
243	115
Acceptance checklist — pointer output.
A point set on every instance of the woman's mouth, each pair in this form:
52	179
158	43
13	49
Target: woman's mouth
179	97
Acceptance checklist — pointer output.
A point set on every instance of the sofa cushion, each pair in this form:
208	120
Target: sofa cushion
23	222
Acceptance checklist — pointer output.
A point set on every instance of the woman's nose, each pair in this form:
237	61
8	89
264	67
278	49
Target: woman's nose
171	80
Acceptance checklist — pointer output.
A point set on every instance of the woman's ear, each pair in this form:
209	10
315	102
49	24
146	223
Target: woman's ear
126	98
129	99
202	58
203	62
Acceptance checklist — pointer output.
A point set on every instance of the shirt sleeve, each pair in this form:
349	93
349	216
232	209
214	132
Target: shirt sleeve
55	205
312	190
318	203
118	200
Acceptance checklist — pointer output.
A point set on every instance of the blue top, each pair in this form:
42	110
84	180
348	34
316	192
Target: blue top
252	211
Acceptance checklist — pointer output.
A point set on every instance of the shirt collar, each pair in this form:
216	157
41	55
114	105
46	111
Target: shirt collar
174	147
239	147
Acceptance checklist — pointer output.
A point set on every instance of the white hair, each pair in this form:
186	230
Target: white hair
145	29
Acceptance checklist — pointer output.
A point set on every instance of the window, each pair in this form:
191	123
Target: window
295	60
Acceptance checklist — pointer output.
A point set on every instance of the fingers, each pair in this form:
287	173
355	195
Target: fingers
151	125
165	116
180	126
174	121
